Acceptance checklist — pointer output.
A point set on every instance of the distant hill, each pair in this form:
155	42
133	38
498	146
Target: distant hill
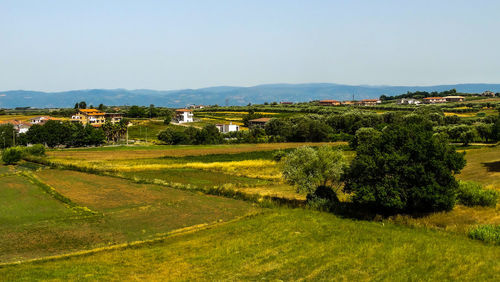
221	95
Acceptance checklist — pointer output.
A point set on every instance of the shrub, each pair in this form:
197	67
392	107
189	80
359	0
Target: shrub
12	155
486	233
473	194
36	150
278	155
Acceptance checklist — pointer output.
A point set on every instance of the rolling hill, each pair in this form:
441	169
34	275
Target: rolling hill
222	95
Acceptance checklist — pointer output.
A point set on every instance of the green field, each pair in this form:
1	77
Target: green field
285	244
34	224
180	233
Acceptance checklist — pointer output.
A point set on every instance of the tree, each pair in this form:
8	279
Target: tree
12	155
495	131
308	168
136	112
407	168
101	107
82	105
6	135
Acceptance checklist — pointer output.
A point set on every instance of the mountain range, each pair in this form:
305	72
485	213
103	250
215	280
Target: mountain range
221	95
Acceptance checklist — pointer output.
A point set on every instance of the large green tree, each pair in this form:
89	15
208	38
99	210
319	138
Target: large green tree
307	168
407	168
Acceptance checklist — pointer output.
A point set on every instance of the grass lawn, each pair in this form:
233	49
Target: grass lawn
285	244
483	165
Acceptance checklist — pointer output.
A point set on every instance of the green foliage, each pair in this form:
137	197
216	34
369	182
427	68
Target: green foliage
35	150
6	135
55	133
12	155
191	135
279	155
405	169
307	168
472	194
486	233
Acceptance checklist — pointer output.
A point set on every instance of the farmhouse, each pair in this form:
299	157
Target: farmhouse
41	120
93	117
19	126
329	103
286	103
258	122
114	117
224	128
348	103
454	98
408	101
488	93
369	102
434	100
183	115
197	107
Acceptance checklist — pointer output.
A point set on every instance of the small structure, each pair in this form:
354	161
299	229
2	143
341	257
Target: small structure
369	102
258	122
93	117
286	103
434	100
348	103
197	107
183	115
114	117
40	120
329	103
19	126
225	128
408	101
488	93
454	99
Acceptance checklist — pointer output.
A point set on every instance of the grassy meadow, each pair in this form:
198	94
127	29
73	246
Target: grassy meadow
145	213
284	244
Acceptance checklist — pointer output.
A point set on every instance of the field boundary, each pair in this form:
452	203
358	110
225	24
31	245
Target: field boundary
134	244
58	196
222	191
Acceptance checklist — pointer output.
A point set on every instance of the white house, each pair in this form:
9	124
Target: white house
183	115
39	120
410	101
224	128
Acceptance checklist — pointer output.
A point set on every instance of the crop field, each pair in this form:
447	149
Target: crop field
111	210
285	244
147	129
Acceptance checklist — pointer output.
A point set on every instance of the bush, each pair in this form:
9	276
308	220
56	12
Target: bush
486	233
36	150
12	155
278	155
473	194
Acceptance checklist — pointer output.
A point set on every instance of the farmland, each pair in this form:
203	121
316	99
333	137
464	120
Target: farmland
213	212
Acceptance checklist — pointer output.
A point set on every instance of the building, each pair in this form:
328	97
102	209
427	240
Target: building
408	101
286	103
19	126
434	100
369	102
40	120
224	128
114	117
197	107
93	117
454	99
329	103
258	122
348	103
183	115
488	93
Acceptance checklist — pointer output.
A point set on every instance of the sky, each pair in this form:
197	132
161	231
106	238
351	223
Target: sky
144	44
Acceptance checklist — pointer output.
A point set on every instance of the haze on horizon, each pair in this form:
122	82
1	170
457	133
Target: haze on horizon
58	45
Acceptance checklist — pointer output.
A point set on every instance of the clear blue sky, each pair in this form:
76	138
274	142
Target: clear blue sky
60	45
